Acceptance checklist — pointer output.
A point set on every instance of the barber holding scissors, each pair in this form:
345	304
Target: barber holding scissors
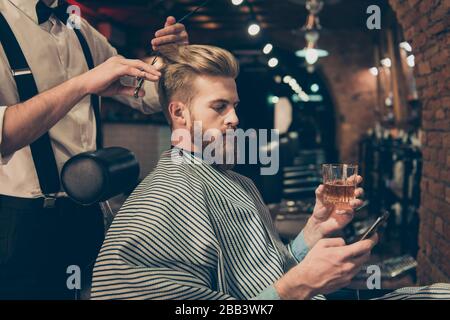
51	77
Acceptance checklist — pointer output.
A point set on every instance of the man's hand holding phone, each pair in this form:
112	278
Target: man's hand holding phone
374	227
329	266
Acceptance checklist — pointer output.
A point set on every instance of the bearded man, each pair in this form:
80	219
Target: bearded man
193	229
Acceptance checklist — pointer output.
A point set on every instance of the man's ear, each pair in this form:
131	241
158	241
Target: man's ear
177	113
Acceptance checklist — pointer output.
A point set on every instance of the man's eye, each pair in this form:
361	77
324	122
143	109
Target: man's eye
220	106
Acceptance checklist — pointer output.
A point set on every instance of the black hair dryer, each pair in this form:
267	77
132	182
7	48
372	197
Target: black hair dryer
96	176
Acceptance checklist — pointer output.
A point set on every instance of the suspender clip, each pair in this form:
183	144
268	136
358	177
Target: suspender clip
49	202
20	72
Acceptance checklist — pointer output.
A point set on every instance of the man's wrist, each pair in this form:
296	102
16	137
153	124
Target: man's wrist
80	85
311	233
287	290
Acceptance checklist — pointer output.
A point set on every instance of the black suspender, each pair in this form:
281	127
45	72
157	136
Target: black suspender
95	100
41	149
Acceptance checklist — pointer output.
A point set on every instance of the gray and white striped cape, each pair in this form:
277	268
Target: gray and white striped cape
190	231
436	291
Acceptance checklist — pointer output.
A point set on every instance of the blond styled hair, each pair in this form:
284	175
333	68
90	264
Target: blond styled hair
181	64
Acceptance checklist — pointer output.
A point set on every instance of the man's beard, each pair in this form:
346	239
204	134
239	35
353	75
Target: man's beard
221	148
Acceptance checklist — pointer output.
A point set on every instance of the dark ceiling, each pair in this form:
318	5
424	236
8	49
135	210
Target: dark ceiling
224	24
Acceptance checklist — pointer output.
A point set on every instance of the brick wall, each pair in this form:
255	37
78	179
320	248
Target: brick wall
352	87
426	27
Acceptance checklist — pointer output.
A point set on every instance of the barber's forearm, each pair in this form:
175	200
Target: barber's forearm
25	122
147	104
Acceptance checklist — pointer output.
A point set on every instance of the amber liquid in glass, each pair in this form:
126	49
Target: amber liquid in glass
339	193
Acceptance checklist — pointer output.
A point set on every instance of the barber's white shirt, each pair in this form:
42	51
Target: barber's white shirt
54	55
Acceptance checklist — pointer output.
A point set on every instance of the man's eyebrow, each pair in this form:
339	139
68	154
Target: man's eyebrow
224	101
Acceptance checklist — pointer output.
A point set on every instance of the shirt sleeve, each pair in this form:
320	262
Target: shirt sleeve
270	293
3	159
298	247
103	50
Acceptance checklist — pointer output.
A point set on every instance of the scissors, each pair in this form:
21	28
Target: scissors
141	80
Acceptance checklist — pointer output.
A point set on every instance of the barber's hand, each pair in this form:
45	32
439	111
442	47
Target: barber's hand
327	219
172	33
328	267
104	80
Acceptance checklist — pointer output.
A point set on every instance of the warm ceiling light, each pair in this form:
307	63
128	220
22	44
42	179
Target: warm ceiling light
237	2
277	79
286	79
273	62
253	29
271	99
267	48
303	96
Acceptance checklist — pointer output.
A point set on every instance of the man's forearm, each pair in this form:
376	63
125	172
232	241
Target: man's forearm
25	122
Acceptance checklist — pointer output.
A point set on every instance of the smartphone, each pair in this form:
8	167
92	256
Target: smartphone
374	227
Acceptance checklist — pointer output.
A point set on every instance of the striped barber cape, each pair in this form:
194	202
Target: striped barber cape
190	231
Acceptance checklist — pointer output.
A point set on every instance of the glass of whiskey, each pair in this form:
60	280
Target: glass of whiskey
340	184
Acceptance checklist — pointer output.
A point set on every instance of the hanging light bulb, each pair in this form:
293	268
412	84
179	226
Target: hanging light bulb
237	2
267	48
253	29
311	56
311	28
311	53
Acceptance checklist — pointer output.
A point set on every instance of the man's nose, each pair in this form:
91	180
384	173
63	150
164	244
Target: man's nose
232	119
